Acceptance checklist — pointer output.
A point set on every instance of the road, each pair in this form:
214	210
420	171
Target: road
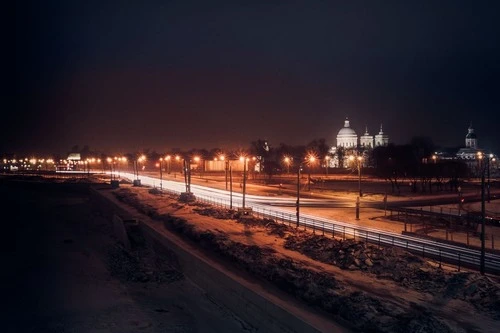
271	206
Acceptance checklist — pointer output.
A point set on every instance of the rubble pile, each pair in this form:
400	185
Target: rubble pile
132	199
218	213
385	262
476	289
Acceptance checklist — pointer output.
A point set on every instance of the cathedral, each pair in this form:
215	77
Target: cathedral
347	138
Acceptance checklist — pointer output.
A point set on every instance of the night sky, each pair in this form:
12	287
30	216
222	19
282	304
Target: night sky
126	76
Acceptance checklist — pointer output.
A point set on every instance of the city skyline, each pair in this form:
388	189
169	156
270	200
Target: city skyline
204	75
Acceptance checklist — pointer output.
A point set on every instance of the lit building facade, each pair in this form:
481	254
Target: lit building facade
347	138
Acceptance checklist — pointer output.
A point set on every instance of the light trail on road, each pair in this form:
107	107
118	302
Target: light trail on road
268	206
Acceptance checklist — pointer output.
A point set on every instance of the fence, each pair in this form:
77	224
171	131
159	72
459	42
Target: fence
440	252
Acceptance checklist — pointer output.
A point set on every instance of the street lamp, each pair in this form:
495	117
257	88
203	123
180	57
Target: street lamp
359	160
490	158
244	159
167	159
311	159
197	159
161	173
137	181
485	167
110	162
226	167
287	161
308	160
178	159
327	162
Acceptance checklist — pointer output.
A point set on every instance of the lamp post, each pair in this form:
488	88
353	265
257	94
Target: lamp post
359	160
178	159
311	159
226	167
197	159
308	160
161	173
187	175
137	181
481	267
123	160
484	167
167	159
110	162
244	159
287	161
490	158
230	187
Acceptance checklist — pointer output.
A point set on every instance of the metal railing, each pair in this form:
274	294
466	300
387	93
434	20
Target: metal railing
440	252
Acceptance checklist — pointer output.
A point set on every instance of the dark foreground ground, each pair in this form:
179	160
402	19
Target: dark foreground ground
62	271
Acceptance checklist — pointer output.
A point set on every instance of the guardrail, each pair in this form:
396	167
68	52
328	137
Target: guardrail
439	252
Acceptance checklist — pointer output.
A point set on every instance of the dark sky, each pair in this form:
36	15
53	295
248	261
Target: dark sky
124	76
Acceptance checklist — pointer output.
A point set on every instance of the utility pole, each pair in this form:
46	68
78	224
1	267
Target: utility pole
226	169
483	236
488	186
230	188
244	180
298	197
161	174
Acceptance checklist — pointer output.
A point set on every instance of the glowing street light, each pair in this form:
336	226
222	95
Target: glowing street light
110	162
167	159
485	167
244	159
308	161
178	159
287	161
161	172
359	160
327	164
140	159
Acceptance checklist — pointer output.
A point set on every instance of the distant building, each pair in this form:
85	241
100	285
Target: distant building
470	154
381	139
347	138
366	140
471	149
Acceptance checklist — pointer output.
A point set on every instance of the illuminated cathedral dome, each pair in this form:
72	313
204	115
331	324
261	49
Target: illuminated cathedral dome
347	137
